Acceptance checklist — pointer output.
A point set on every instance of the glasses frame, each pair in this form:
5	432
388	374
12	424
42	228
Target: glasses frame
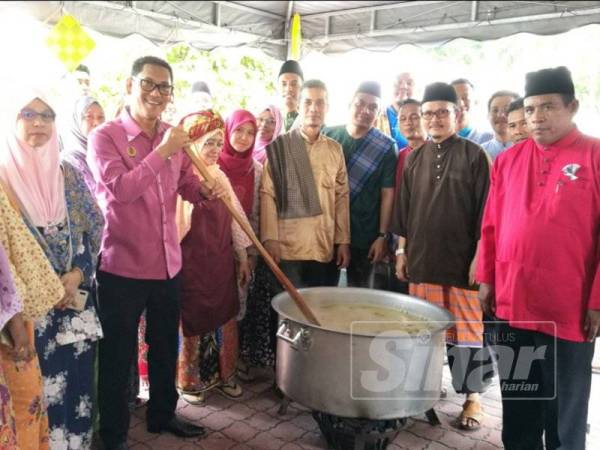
47	116
160	87
443	113
209	143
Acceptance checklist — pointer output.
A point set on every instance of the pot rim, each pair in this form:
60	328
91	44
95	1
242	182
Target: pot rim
283	296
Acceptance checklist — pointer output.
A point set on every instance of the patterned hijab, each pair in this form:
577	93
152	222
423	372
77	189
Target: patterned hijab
31	175
239	167
74	142
260	154
200	126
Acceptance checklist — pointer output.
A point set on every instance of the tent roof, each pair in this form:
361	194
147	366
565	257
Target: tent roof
327	26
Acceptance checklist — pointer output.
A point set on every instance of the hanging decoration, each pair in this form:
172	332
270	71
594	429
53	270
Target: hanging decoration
69	42
295	38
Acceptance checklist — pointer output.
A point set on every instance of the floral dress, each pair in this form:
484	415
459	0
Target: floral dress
8	430
258	328
66	340
9	306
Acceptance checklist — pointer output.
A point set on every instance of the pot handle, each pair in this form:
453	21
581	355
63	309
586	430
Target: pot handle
283	332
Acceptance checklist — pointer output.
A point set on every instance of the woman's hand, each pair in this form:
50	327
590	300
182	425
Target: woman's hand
22	347
71	281
252	260
244	272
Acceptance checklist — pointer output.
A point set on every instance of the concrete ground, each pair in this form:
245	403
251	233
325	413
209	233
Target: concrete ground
253	422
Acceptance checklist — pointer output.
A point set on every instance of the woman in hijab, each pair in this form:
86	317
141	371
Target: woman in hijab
211	243
87	115
257	344
237	162
57	206
270	124
244	173
30	289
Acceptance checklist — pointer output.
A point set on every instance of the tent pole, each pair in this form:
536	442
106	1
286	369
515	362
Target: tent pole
288	25
474	11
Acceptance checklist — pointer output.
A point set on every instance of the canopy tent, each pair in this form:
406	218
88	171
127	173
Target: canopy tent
327	26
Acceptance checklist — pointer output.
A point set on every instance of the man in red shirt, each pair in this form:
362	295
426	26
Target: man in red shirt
539	272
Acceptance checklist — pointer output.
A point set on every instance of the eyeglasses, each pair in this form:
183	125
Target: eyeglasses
270	122
149	85
29	115
211	143
440	114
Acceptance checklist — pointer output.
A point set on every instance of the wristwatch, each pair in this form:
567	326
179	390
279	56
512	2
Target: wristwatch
400	251
382	235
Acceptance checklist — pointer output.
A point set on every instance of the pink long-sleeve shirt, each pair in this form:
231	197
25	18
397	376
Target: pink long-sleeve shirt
540	238
137	192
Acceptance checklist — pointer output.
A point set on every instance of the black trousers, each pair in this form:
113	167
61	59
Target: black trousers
548	402
382	275
302	274
121	302
310	273
472	368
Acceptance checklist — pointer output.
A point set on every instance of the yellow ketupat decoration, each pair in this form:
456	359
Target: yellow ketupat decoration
69	42
296	37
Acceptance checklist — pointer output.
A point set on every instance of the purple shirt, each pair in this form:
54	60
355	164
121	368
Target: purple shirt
137	191
10	304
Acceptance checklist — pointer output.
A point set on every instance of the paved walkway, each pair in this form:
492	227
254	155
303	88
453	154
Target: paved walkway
253	422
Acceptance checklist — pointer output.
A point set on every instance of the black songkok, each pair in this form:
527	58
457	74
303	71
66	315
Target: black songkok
440	92
370	87
549	81
291	66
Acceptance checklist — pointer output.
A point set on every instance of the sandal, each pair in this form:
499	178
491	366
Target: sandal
194	398
230	390
471	416
244	372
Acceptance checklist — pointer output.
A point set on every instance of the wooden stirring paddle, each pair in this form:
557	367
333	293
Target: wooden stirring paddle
287	284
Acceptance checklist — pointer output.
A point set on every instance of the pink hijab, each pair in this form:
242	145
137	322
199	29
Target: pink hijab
239	167
32	175
260	154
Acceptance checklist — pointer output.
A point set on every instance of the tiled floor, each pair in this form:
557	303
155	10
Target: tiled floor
253	422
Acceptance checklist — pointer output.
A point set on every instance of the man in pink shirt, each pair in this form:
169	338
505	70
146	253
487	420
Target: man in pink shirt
140	170
539	269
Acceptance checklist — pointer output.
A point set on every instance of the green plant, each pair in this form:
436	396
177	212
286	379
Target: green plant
233	76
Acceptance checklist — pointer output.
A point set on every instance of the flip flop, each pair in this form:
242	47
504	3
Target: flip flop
196	398
231	390
471	416
244	373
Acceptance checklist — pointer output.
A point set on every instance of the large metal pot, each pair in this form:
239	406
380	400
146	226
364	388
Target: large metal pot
360	375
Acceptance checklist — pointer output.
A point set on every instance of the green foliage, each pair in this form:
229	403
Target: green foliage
109	94
233	78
